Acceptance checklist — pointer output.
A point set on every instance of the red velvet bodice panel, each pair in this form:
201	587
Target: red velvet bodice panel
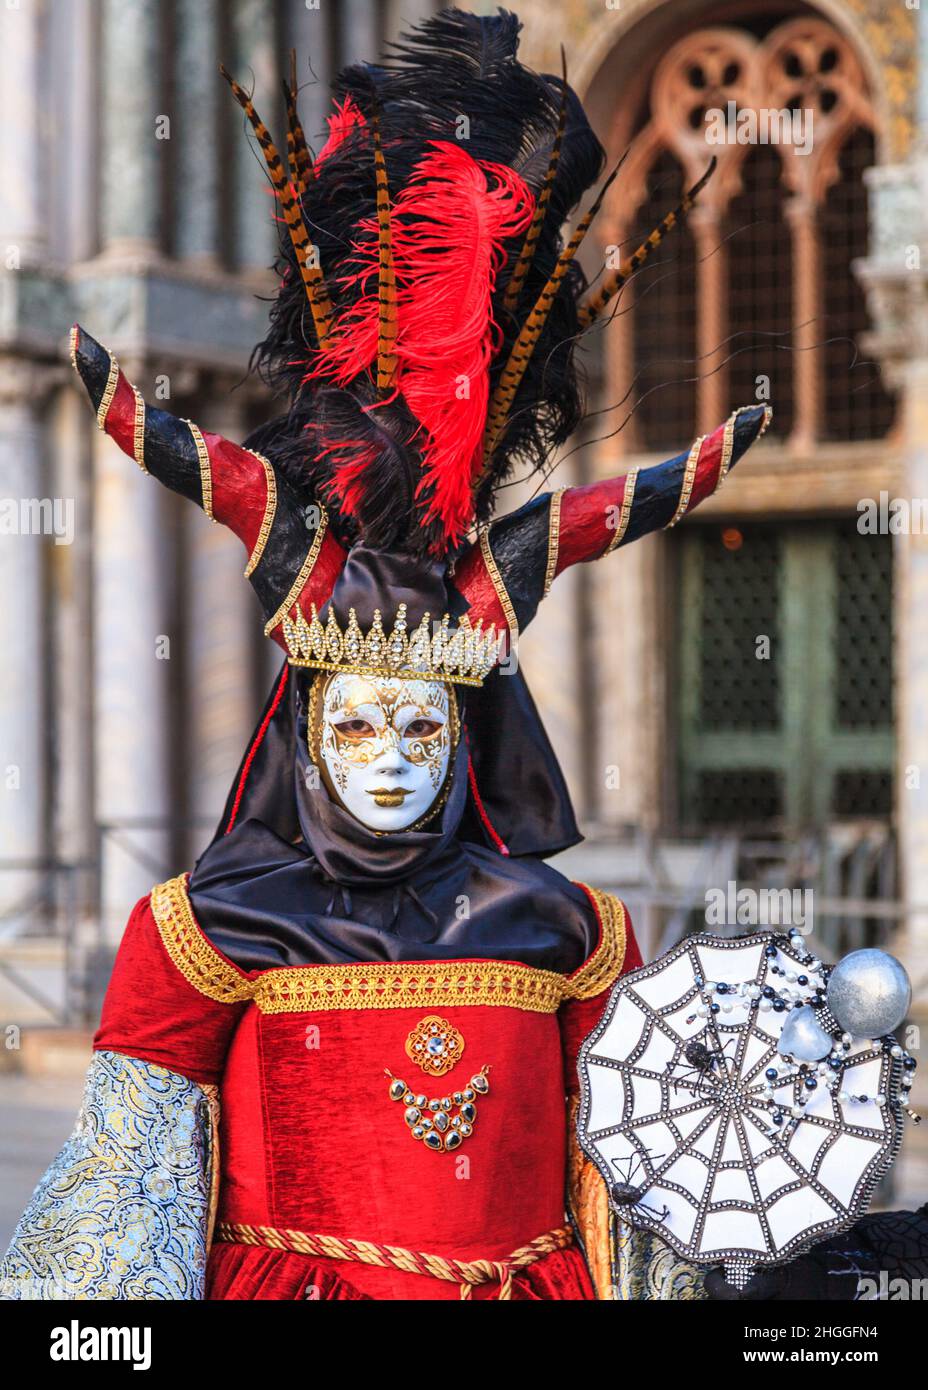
312	1140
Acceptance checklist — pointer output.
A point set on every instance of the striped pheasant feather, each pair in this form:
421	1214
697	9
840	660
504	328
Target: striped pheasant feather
527	254
299	159
313	279
593	306
388	323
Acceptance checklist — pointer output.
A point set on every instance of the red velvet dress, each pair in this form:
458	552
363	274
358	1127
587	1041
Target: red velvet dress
311	1141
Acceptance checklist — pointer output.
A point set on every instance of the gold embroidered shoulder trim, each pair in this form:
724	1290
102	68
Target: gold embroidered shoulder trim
689	477
197	960
270	508
206	476
404	985
496	579
109	391
302	578
728	438
605	964
554	539
628	500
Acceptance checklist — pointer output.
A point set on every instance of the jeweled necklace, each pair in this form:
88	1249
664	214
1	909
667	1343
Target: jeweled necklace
441	1123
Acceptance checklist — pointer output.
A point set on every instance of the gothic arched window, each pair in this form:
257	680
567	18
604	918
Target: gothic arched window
758	298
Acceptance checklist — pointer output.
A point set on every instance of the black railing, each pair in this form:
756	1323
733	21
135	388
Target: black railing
58	901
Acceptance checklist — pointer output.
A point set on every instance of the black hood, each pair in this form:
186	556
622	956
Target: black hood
297	880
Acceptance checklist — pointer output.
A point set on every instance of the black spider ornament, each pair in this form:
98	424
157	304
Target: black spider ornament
626	1194
703	1062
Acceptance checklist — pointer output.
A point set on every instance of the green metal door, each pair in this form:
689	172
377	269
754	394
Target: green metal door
785	709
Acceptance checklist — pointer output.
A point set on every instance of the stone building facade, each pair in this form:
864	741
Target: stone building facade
744	696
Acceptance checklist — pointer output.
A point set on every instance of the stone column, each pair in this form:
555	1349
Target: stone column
403	14
70	629
360	40
801	214
70	63
895	275
132	564
912	551
23	707
254	207
308	32
198	89
628	755
131	167
911	575
22	204
222	616
629	760
712	272
23	488
133	648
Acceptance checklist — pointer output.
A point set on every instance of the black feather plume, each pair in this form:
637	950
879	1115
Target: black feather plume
456	76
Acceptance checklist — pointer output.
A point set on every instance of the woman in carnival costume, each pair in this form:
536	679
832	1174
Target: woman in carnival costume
338	1059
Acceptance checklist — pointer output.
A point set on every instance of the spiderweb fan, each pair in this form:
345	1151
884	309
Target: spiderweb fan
706	1134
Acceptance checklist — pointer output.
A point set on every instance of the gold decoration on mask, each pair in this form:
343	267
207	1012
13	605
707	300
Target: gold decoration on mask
335	778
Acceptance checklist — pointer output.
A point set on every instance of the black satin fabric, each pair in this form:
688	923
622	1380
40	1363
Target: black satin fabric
343	893
375	580
291	878
522	789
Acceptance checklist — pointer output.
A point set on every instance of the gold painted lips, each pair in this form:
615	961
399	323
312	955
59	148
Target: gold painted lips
390	796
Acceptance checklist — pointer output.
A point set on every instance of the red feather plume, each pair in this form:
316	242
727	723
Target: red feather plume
450	225
347	117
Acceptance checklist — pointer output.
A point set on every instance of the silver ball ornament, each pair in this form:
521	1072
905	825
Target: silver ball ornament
869	993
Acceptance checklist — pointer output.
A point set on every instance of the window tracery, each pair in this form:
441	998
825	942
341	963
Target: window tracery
758	298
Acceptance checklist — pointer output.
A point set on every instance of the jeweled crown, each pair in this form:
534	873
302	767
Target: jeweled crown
464	654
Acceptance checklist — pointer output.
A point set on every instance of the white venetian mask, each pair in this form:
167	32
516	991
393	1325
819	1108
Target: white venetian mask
384	745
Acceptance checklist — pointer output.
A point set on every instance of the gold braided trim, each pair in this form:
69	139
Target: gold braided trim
728	440
728	444
605	964
554	539
468	1273
409	985
628	498
497	581
270	508
197	960
385	984
689	477
299	583
106	400
206	476
138	431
